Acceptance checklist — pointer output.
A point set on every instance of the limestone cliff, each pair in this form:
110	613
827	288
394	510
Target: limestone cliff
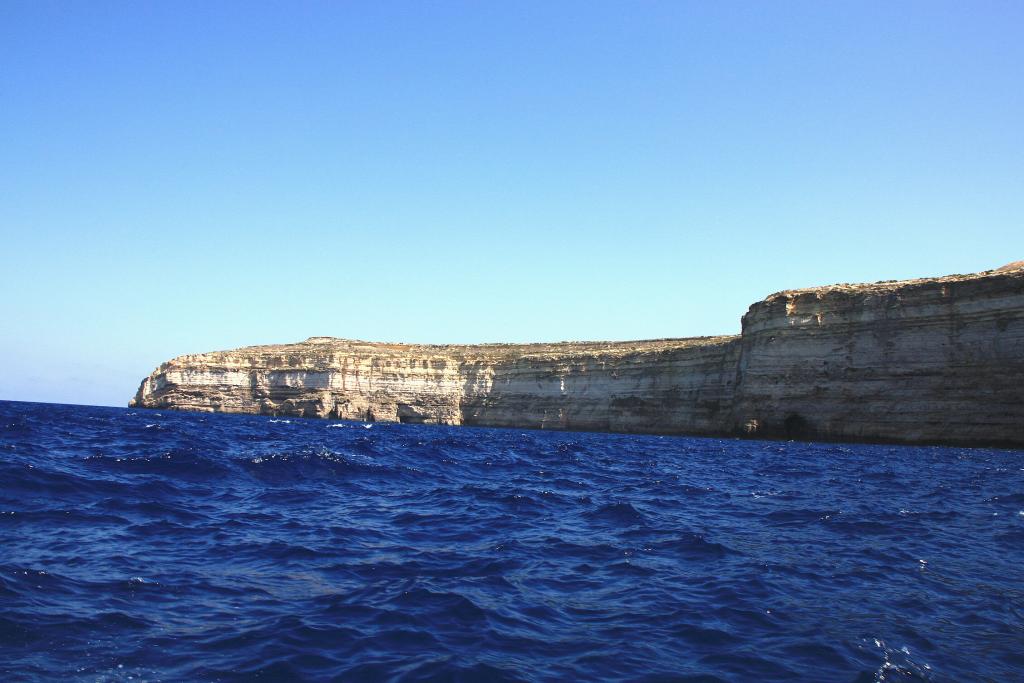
932	360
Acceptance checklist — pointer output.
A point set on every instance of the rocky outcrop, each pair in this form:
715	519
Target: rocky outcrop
934	360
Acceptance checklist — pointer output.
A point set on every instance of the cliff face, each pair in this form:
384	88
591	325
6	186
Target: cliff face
666	386
936	360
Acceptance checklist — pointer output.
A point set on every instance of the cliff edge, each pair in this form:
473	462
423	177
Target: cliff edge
936	360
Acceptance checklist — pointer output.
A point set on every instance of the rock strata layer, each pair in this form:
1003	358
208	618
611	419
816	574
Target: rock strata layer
937	360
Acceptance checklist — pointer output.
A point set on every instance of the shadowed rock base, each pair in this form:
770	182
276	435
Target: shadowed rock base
937	360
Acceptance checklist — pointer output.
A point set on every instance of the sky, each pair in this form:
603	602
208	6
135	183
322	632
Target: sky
181	177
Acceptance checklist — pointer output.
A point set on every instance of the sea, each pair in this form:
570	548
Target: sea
146	545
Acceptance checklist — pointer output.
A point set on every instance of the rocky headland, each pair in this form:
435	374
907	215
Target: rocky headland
936	360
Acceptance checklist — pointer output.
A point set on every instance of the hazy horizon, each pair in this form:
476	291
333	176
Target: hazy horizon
186	178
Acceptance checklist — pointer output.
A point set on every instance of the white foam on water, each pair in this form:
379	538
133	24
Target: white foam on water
898	663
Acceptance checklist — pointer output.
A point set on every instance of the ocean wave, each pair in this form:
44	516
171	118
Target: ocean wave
175	546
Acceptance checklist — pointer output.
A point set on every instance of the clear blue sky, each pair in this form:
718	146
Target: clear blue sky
179	177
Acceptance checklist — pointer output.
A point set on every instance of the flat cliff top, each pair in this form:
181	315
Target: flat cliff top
330	346
325	350
1014	270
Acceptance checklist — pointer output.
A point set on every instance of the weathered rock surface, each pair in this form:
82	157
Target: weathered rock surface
933	360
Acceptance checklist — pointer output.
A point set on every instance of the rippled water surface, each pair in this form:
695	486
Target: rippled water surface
149	546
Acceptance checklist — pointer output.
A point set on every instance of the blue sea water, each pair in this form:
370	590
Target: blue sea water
142	545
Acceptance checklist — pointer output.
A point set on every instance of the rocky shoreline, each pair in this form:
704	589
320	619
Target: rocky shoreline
936	360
